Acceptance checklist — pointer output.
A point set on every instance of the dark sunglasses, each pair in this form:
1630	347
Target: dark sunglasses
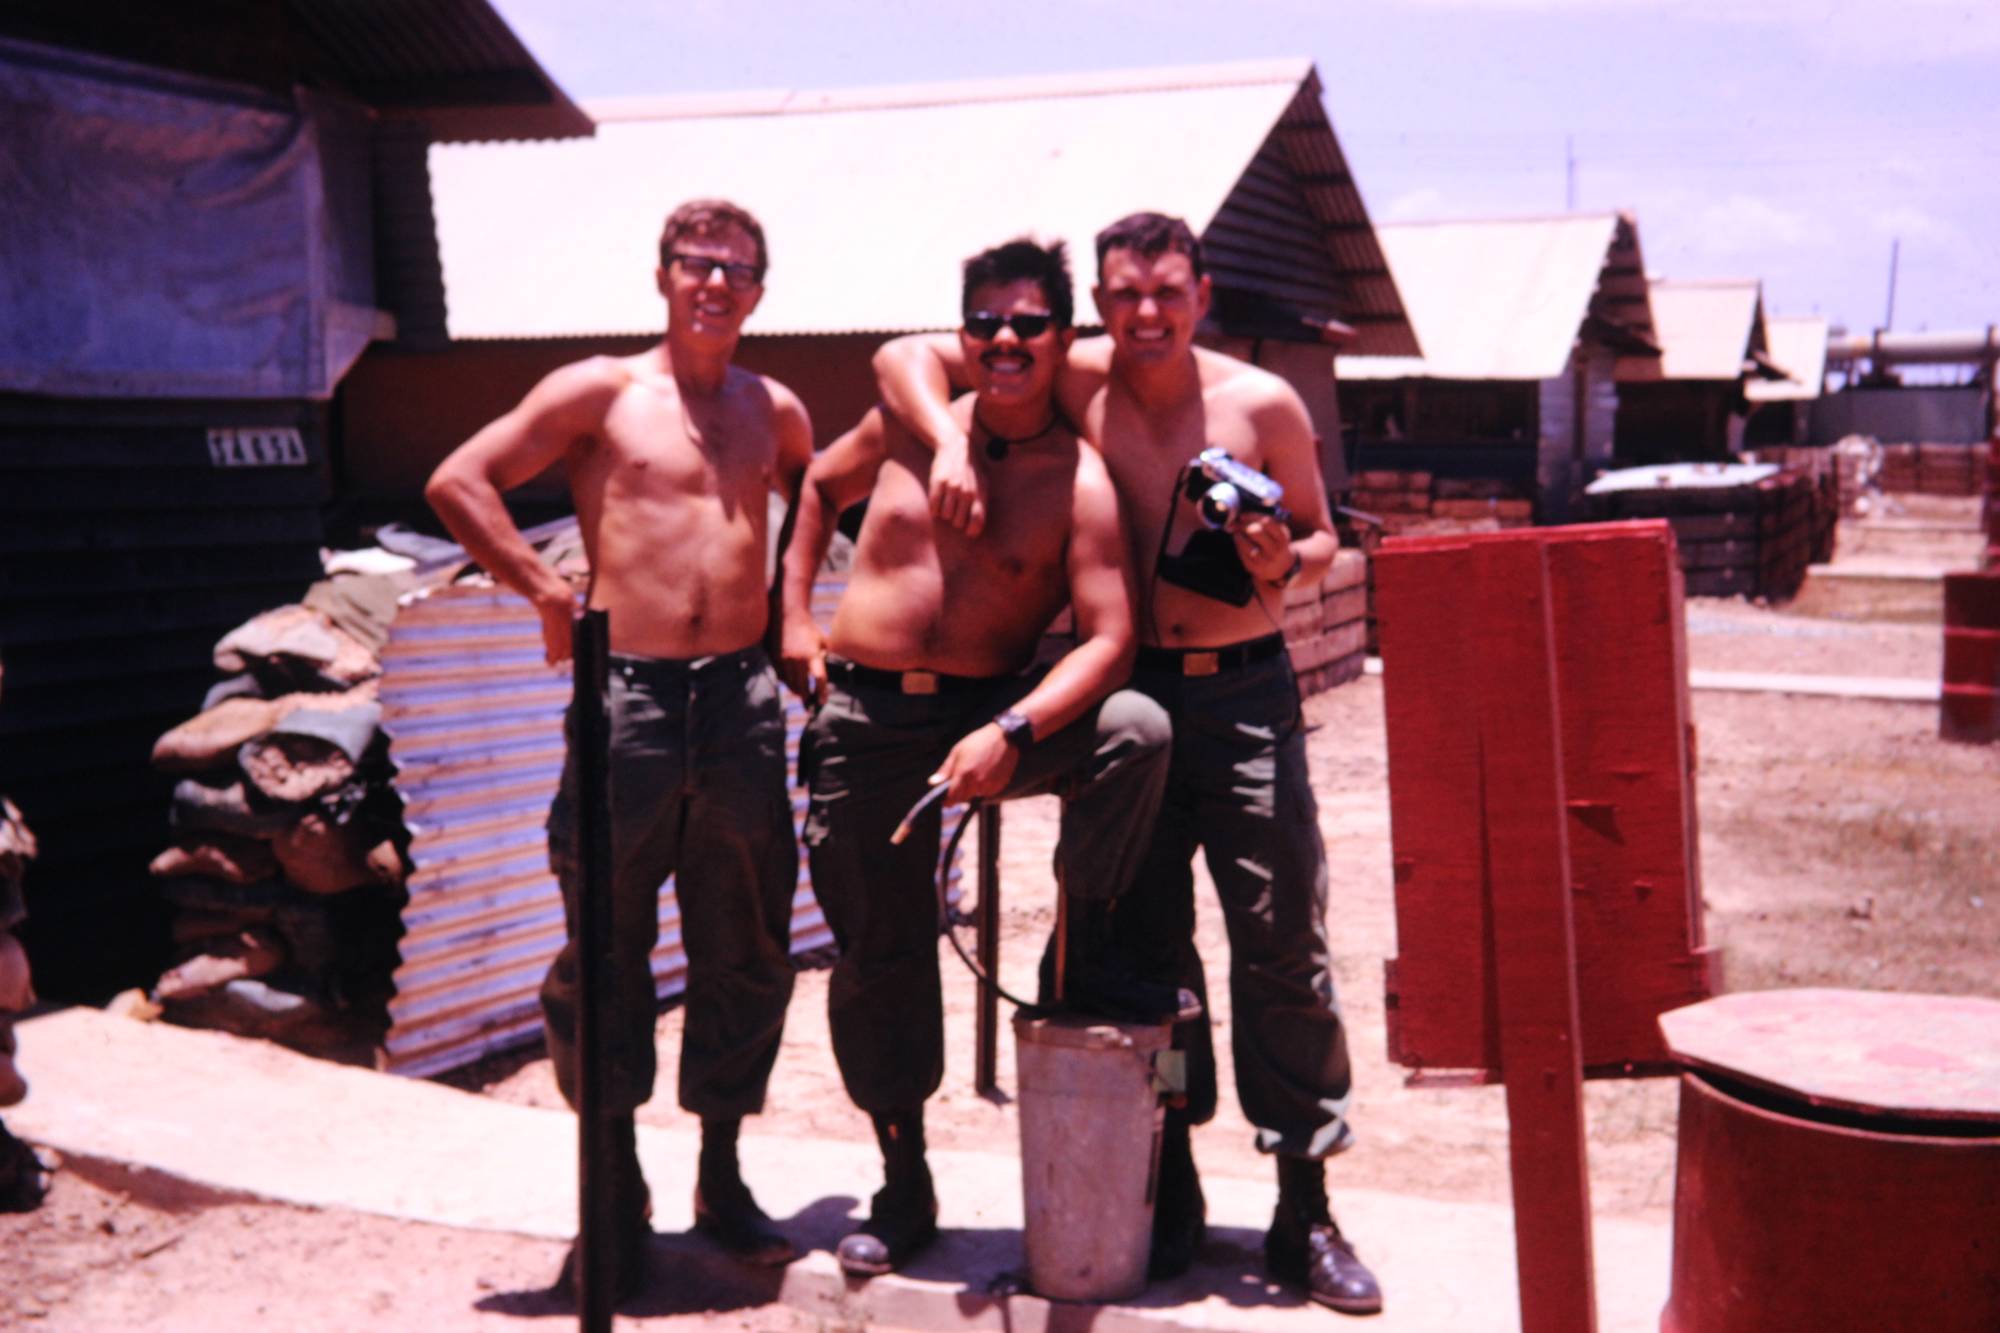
740	277
984	324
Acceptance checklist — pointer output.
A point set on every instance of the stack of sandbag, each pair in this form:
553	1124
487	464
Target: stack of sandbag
285	873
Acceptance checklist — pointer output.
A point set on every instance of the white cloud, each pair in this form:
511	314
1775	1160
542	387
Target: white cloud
1744	224
1414	206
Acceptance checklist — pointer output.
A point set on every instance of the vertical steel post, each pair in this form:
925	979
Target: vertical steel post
597	1245
986	1053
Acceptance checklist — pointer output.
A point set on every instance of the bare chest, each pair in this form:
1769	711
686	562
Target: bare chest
1148	458
655	445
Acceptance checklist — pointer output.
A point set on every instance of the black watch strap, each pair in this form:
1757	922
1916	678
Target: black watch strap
1284	580
1018	730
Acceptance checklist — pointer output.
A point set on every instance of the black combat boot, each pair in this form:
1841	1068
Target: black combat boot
1100	981
1180	1213
902	1218
1304	1245
723	1208
633	1209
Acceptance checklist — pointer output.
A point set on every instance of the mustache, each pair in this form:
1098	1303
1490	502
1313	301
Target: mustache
992	354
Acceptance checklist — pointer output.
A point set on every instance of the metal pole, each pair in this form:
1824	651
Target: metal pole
986	1054
597	1245
1889	320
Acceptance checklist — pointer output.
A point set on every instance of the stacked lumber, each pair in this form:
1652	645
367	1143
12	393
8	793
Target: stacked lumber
1751	540
1326	624
1931	469
1420	504
284	877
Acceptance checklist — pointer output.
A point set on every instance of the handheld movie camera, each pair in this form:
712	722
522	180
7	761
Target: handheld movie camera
1221	490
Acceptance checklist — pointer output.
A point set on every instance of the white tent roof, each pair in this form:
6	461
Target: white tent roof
1798	347
1499	299
870	199
1707	330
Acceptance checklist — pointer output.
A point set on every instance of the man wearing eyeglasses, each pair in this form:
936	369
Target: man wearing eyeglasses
926	682
1213	653
671	455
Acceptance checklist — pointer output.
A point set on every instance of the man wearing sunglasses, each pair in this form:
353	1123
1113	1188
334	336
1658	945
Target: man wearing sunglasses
671	456
926	682
1238	787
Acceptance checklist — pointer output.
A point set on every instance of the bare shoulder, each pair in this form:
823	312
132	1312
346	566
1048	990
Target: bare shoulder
573	400
1239	380
595	380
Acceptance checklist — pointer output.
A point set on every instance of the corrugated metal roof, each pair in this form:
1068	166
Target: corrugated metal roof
1707	330
1496	299
870	199
1798	347
474	718
454	63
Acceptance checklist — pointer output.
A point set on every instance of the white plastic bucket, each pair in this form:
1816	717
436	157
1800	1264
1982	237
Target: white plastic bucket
1090	1152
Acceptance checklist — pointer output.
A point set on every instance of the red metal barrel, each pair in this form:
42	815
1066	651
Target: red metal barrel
1839	1164
1970	705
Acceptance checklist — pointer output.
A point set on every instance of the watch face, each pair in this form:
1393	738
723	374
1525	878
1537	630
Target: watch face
1016	728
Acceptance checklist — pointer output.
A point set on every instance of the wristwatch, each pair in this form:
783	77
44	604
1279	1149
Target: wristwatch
1018	730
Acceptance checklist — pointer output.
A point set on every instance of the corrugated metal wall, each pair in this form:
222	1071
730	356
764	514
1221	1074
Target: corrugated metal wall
130	541
475	724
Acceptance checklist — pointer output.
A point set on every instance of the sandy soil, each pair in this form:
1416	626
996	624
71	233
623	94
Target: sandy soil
1842	844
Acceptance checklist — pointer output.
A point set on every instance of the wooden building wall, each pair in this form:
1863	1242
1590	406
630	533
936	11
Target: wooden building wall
1577	416
133	535
1676	421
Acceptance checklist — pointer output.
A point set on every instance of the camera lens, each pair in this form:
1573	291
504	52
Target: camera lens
1220	505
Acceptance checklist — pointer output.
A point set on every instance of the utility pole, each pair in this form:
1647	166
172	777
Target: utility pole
1889	320
1569	172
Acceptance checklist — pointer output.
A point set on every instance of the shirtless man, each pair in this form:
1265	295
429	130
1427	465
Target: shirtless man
1238	786
925	681
671	456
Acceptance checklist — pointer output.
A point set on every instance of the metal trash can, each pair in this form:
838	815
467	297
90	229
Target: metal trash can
1838	1164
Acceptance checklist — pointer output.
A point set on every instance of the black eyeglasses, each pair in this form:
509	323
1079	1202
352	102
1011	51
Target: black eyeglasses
740	277
984	324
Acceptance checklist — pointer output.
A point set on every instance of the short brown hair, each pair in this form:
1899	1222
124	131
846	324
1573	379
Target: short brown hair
1151	235
710	217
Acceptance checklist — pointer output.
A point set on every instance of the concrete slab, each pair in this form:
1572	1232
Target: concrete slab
186	1108
1893	688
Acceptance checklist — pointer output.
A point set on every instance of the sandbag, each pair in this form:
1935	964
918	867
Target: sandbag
252	953
230	859
296	647
212	807
321	856
212	737
290	768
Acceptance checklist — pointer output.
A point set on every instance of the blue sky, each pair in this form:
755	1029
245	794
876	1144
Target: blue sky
1788	140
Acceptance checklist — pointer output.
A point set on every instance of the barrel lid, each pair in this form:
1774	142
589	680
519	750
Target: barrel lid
1924	1057
1090	1033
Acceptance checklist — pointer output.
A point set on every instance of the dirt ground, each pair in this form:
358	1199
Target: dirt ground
1842	844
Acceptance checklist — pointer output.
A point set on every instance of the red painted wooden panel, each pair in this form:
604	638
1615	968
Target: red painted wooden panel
1620	652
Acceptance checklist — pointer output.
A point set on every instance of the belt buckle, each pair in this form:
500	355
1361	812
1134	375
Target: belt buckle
920	682
1200	664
